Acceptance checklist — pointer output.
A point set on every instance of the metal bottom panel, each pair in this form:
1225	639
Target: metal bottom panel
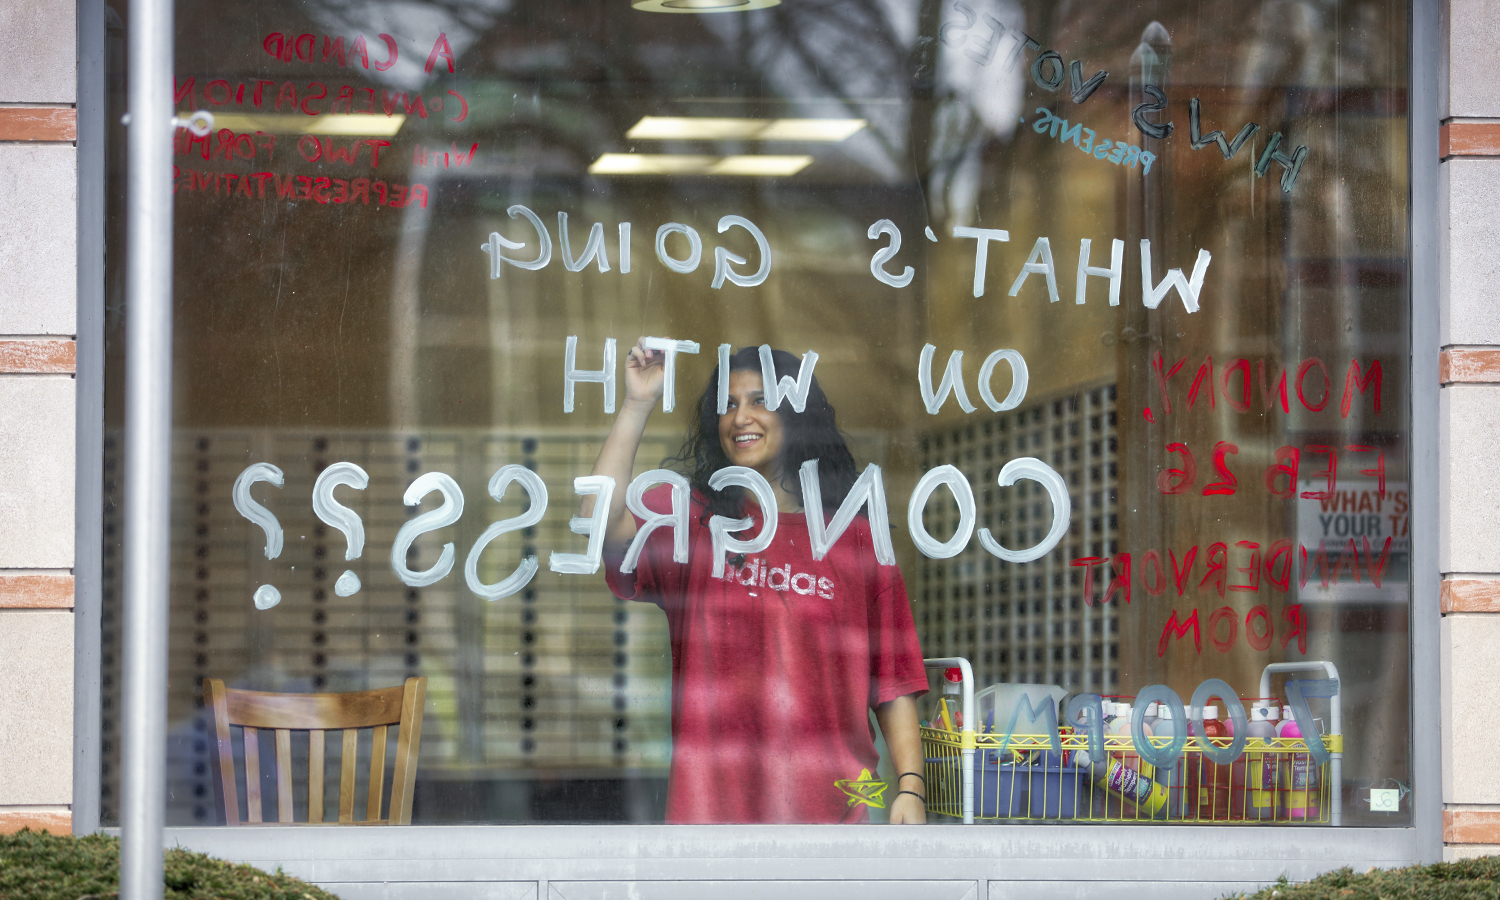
434	890
585	862
758	890
1083	890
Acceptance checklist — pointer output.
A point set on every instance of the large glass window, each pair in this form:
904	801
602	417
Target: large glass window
1106	305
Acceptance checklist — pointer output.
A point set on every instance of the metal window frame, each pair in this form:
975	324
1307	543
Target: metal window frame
672	861
88	534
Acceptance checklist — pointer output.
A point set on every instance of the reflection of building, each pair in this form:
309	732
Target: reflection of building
1028	622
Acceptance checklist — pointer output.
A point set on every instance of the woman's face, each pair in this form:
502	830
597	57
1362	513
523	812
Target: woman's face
750	434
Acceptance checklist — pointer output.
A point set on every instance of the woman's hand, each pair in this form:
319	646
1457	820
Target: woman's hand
645	375
909	808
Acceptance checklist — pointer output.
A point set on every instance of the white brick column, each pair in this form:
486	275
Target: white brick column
38	302
1469	417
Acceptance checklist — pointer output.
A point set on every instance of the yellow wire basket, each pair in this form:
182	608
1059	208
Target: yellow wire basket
1273	782
983	777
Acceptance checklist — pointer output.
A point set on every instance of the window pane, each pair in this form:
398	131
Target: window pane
1168	238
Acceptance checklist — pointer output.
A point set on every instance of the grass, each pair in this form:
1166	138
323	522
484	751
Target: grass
37	865
1468	879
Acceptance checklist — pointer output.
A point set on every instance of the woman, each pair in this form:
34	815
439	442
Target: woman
776	665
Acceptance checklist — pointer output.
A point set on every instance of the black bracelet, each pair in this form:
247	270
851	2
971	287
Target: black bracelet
914	794
914	774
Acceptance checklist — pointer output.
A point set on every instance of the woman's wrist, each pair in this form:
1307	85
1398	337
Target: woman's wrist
639	406
901	785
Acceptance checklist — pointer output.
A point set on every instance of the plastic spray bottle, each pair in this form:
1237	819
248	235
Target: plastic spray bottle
1260	766
1212	780
1120	727
947	713
1297	777
1172	778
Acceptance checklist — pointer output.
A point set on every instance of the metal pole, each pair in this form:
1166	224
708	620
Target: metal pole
148	460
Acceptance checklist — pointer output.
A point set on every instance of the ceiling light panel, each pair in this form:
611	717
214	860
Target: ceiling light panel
336	124
651	164
672	164
702	6
773	166
687	128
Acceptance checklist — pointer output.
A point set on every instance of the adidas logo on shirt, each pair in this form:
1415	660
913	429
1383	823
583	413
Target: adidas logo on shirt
779	578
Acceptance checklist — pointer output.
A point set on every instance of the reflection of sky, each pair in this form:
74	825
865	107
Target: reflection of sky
982	101
801	60
415	26
991	93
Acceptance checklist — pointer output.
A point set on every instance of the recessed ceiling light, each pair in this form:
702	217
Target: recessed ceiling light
651	164
672	164
675	128
337	124
701	6
776	166
810	129
692	128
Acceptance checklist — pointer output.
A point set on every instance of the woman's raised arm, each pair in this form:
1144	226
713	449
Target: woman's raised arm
644	374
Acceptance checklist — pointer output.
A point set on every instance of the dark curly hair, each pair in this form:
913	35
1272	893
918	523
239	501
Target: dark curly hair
810	434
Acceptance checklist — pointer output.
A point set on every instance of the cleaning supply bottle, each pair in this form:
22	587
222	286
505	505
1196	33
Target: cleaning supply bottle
1260	765
947	712
1120	727
1144	797
1148	725
1212	780
1171	777
1296	776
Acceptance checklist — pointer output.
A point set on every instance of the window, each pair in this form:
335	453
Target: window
1169	243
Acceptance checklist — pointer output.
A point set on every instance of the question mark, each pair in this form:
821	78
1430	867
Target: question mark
342	517
266	596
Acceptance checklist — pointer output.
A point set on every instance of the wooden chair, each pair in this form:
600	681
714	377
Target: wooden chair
317	714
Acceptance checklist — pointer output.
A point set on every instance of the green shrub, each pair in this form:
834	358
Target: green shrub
36	865
1467	879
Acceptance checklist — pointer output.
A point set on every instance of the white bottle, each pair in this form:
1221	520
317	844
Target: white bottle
1120	727
1170	778
1152	714
1165	726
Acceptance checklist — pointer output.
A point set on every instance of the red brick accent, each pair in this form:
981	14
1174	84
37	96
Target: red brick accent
1463	826
38	123
15	818
1468	139
36	591
38	357
1458	365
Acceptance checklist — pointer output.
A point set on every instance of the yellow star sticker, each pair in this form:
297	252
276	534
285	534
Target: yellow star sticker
865	789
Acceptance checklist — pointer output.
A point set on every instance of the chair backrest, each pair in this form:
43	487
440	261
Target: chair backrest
317	714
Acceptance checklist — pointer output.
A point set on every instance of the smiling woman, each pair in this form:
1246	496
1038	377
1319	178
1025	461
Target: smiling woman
772	682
